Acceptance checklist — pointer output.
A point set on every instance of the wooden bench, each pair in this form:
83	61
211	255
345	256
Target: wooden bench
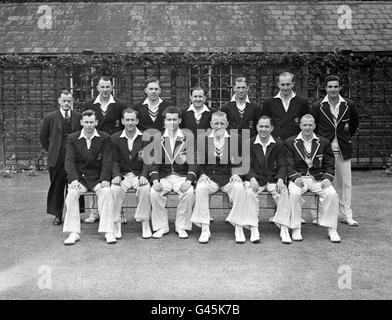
219	201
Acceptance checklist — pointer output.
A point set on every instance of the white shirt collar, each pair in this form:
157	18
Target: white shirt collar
270	140
279	95
302	138
179	134
246	100
203	109
147	102
98	99
211	135
63	112
82	135
341	99
124	135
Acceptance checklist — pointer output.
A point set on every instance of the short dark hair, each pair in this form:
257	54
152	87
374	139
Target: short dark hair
89	113
65	91
151	79
197	88
172	109
264	117
240	79
106	78
332	77
130	110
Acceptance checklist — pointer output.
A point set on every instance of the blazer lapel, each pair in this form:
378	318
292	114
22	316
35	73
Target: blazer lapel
136	147
342	111
58	119
299	146
269	149
74	121
260	155
325	109
315	147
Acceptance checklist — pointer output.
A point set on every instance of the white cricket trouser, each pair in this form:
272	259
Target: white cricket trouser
342	185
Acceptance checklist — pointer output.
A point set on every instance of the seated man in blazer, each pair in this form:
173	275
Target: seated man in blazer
241	113
216	165
268	171
129	171
311	166
173	170
88	164
198	115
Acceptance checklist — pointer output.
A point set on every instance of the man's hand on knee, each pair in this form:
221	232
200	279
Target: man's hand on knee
185	186
299	182
254	184
157	186
325	184
116	180
280	186
74	185
142	181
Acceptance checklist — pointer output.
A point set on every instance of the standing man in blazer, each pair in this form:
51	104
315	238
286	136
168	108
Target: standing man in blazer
56	127
129	171
286	108
337	120
108	111
88	164
268	171
151	109
198	115
241	113
311	166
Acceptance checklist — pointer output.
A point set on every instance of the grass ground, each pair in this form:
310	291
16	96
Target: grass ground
33	254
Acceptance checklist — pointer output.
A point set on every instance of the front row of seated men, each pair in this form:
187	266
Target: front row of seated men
110	166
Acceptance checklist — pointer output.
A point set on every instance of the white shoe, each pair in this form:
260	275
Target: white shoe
285	235
351	222
303	221
333	235
72	238
117	230
110	238
94	216
160	233
182	234
205	234
296	234
239	234
315	221
146	229
254	234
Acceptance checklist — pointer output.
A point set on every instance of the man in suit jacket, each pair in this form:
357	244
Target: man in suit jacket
173	170
311	166
241	113
108	111
198	115
286	108
129	171
56	127
151	109
217	172
268	171
88	164
337	120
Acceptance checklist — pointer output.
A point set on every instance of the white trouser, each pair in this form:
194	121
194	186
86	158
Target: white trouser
342	185
282	200
105	209
159	217
328	203
236	192
143	210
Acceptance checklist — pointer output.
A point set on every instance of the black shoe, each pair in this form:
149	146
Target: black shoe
57	221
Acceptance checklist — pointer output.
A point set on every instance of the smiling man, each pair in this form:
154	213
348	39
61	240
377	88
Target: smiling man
337	120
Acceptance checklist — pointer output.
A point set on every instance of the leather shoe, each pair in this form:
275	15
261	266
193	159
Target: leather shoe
351	222
239	234
285	235
254	234
57	221
296	235
333	235
110	238
72	238
160	233
182	234
146	229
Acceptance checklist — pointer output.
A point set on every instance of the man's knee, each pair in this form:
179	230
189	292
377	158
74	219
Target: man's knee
331	193
294	190
202	187
73	194
238	187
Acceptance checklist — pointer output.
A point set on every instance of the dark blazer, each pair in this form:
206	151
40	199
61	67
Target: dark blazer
182	162
51	133
347	124
286	124
125	161
89	166
323	160
145	121
223	168
189	122
269	167
111	122
249	119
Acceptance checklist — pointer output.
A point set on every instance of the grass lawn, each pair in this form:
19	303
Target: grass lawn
32	251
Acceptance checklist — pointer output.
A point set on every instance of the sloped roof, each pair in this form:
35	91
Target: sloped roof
195	27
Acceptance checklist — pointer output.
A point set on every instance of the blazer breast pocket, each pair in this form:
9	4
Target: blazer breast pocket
318	161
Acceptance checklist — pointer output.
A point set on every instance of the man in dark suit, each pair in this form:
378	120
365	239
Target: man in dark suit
151	109
198	115
241	113
56	127
173	170
217	172
311	166
108	111
268	171
286	108
129	171
88	164
337	120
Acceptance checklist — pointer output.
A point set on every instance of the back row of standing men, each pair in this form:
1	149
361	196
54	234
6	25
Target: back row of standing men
336	119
